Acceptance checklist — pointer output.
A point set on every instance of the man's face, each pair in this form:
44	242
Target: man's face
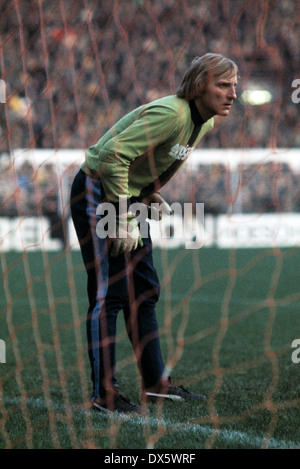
217	97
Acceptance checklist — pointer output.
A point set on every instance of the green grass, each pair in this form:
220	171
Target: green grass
227	321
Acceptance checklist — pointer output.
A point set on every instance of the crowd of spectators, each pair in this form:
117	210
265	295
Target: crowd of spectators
72	72
27	191
253	188
250	188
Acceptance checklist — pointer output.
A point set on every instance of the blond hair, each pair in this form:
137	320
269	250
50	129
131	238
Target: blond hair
195	78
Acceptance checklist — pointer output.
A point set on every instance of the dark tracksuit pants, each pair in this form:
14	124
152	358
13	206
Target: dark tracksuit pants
128	282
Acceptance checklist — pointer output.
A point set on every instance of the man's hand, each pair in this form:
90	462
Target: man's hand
156	205
128	235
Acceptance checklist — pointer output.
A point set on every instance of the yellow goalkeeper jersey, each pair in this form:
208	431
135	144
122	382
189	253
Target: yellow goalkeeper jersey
145	148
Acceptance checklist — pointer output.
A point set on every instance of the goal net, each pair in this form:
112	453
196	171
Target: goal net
229	308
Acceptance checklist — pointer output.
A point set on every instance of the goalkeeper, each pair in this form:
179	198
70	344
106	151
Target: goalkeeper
130	163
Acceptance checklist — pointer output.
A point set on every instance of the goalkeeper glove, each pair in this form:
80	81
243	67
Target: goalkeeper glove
156	206
128	235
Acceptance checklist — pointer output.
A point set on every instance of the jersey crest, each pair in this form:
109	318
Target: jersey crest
179	152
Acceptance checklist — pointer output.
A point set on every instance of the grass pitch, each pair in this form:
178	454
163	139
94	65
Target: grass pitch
227	321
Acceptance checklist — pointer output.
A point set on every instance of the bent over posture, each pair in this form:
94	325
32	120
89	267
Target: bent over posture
130	163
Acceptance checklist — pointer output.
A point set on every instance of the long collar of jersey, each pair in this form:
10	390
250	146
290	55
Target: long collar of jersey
196	118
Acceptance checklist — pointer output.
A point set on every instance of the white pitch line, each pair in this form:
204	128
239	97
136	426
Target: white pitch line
237	437
230	436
